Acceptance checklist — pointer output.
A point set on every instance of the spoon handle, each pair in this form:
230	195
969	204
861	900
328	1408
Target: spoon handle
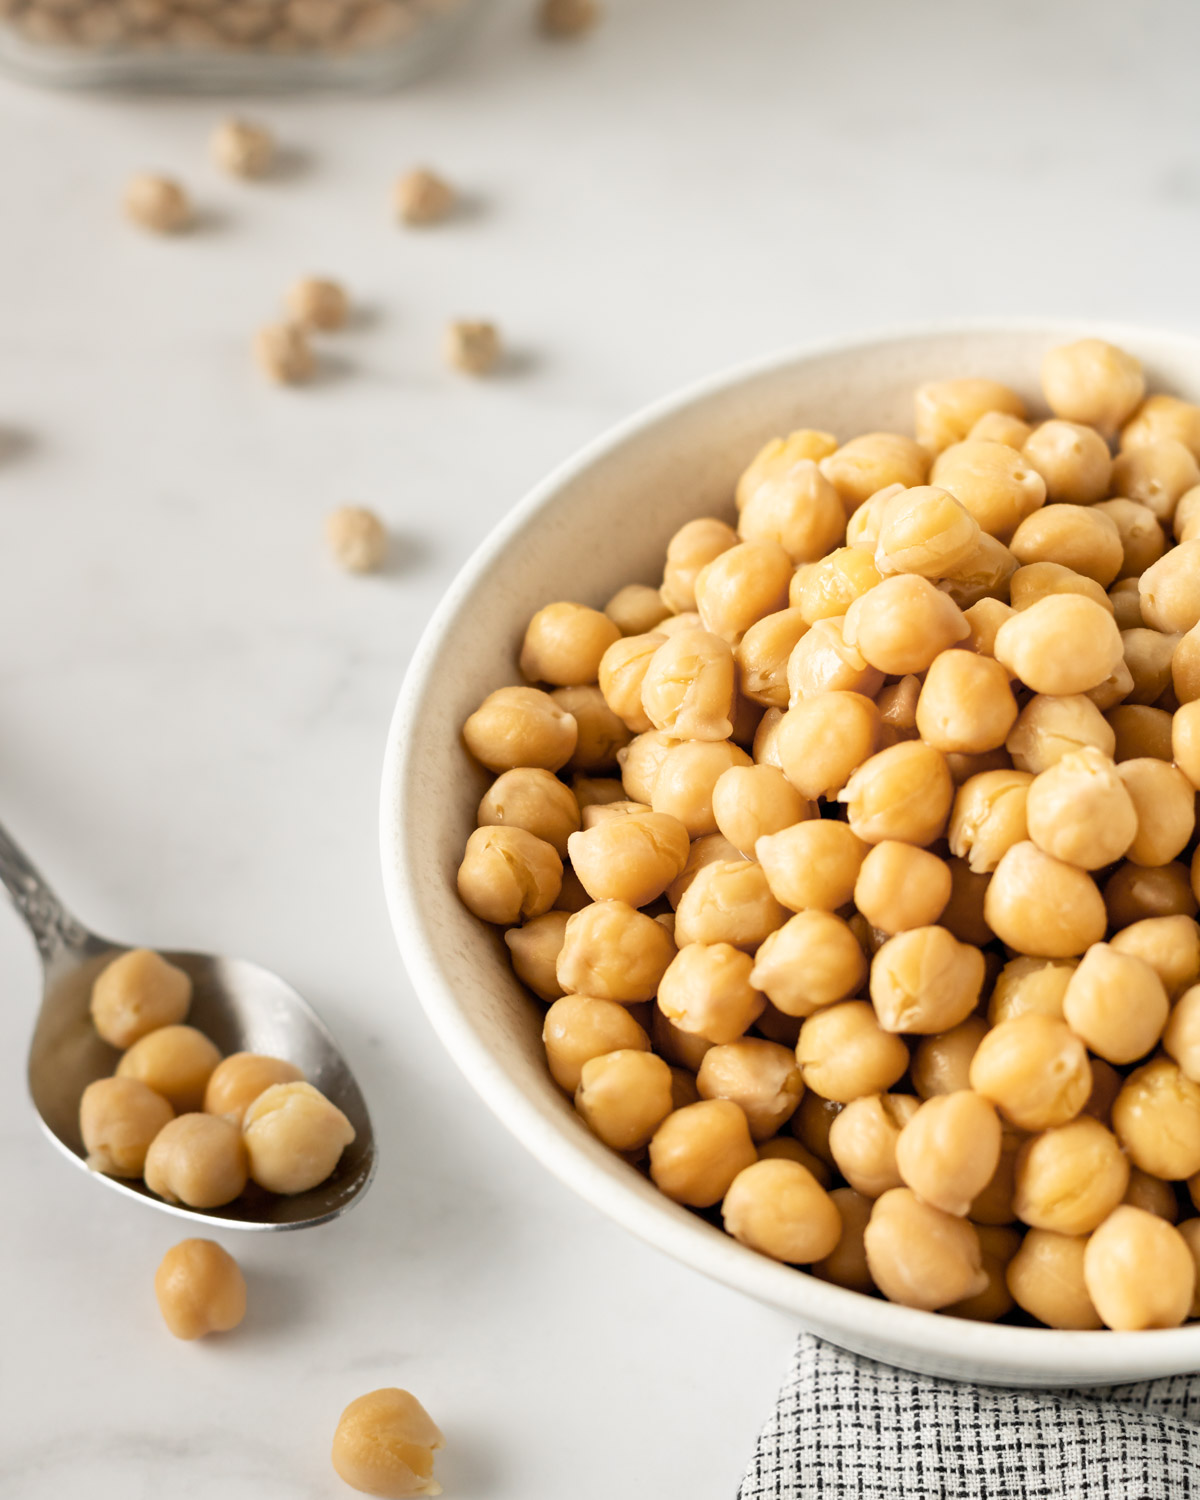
48	920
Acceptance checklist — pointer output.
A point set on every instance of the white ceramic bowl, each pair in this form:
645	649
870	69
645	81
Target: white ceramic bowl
599	521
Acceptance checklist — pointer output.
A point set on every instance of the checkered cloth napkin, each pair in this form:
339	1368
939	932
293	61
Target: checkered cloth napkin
846	1428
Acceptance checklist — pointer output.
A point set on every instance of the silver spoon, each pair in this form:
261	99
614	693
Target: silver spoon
242	1007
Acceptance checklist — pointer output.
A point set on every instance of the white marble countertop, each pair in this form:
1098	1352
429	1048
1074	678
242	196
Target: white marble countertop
193	701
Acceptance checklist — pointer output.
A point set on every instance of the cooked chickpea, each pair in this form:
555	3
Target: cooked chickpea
1190	1232
1148	655
989	817
564	643
137	993
200	1289
597	791
1106	1085
157	203
760	1076
1142	538
1030	984
825	590
1079	537
601	734
822	661
1185	667
1170	945
712	848
949	1149
963	913
294	1137
742	585
1036	580
1115	1264
612	952
1073	460
707	990
868	463
902	793
688	687
1133	892
199	1160
1064	644
751	802
284	353
1046	1279
519	726
421	197
925	981
697	1152
846	1263
237	1080
507	874
1165	803
692	548
1000	427
1181	1039
571	897
811	1123
780	1209
1156	474
1114	689
1080	812
983	574
729	902
900	887
1094	382
242	148
812	864
1126	603
862	529
947	410
811	961
1049	727
844	1053
1069	1179
118	1119
1185	740
1162	416
384	1445
798	509
631	859
926	531
920	1256
640	762
578	1029
1034	1070
764	748
998	485
999	1244
1185	523
862	1141
1156	1117
530	798
683	1049
686	780
1170	589
901	624
1116	1003
174	1061
966	704
994	1206
762	654
623	1097
636	609
319	303
1043	907
776	460
822	739
941	1063
897	705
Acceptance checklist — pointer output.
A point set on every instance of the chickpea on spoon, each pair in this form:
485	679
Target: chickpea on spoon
283	1092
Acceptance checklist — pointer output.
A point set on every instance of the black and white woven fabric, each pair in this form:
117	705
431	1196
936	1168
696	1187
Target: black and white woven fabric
846	1428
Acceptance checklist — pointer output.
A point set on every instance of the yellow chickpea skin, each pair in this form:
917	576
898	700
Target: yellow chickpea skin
686	781
1072	459
798	509
200	1289
762	654
1070	1179
900	887
1064	644
780	1209
741	586
949	1150
966	704
1093	382
941	1063
1000	427
384	1445
520	726
507	874
1043	907
1050	726
762	1077
1046	1279
631	859
688	687
920	1256
1074	536
862	1141
989	817
237	1080
903	793
530	798
945	411
811	961
1079	811
729	902
636	609
1115	1265
613	952
623	1097
1156	1117
198	1160
868	463
844	1053
776	460
697	1152
901	624
824	590
1034	1070
174	1061
812	864
1116	1003
692	547
1170	945
1030	984
137	993
1162	416
578	1029
707	990
294	1137
1156	474
118	1119
823	739
1165	803
993	481
925	531
751	802
925	981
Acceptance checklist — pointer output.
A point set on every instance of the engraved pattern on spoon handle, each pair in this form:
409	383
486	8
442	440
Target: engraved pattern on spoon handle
48	920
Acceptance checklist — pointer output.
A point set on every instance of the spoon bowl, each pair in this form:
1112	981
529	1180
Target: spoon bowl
240	1006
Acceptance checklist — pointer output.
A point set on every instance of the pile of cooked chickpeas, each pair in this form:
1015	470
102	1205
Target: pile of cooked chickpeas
194	1125
857	862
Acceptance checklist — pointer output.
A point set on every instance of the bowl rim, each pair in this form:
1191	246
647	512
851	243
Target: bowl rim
933	1338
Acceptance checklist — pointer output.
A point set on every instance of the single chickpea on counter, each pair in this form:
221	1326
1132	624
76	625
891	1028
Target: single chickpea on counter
384	1445
357	538
242	148
422	197
159	204
200	1289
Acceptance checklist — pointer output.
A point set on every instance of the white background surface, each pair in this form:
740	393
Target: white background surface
193	701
